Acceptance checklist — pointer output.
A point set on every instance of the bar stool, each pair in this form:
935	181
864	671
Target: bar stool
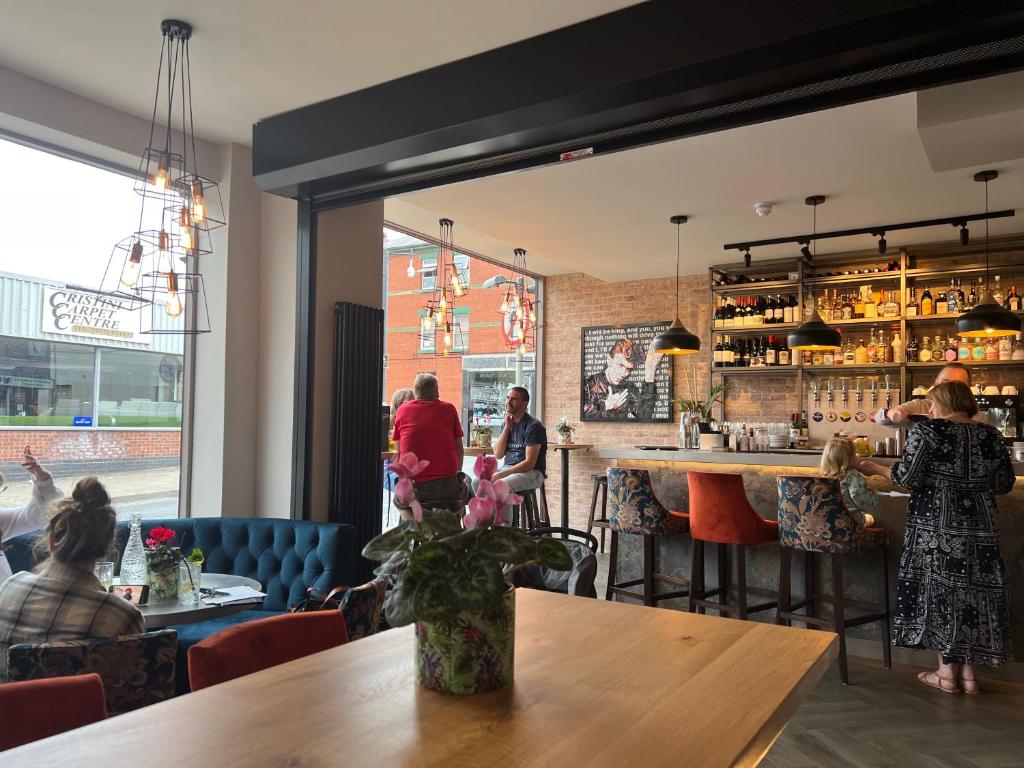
813	518
600	486
533	512
721	514
635	510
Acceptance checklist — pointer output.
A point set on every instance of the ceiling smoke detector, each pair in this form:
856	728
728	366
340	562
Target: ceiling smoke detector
763	209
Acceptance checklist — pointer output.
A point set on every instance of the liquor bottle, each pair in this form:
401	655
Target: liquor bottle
718	319
784	355
950	352
963	350
871	348
971	301
837	306
940	303
726	353
997	293
860	355
1005	348
771	353
892	306
794	307
977	351
848	307
716	355
924	353
982	291
780	309
133	563
787	310
991	351
860	302
817	357
1018	349
927	306
897	347
1013	299
747	354
849	353
952	304
769	311
869	309
888	350
938	349
911	350
912	304
828	357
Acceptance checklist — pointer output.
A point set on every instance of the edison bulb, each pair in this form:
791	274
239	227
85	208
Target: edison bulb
410	270
130	274
447	339
456	284
504	305
160	180
185	216
187	241
172	305
165	240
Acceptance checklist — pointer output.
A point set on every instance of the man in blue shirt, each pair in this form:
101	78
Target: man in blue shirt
523	444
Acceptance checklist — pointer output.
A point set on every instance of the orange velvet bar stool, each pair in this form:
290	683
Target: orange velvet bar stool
34	709
721	514
633	509
256	645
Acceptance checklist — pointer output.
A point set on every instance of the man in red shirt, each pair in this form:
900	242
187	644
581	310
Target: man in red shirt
429	427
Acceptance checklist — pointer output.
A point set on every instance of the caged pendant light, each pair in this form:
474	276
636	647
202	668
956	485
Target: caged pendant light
988	318
155	269
676	340
814	334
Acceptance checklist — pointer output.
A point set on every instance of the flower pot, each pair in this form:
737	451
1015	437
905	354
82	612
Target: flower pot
468	652
484	439
163	577
565	438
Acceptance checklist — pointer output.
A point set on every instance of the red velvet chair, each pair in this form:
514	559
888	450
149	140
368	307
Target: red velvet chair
35	709
256	645
721	514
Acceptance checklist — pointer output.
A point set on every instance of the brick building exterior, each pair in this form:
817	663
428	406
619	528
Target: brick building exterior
469	378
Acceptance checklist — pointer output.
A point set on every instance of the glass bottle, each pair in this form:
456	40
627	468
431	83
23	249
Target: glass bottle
889	350
924	353
784	352
848	308
716	355
849	353
991	351
1005	348
771	353
837	306
997	293
963	350
927	305
872	347
869	309
951	351
1013	299
133	562
977	350
938	350
952	304
892	306
1018	349
911	351
860	355
971	301
912	304
817	357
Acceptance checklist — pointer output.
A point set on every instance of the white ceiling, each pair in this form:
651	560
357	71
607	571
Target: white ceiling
256	58
609	216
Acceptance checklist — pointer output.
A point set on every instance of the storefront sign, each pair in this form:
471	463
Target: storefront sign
82	421
84	314
620	382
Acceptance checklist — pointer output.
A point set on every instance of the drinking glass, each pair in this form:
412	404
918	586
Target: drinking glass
105	573
862	447
189	576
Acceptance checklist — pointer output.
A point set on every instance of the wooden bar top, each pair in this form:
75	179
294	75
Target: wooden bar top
569	446
596	683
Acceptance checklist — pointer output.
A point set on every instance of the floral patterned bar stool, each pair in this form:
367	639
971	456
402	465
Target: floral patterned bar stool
633	509
721	514
813	519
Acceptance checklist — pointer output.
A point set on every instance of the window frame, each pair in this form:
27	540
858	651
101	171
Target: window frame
428	273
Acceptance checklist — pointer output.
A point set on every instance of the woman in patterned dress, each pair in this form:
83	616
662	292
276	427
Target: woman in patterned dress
951	596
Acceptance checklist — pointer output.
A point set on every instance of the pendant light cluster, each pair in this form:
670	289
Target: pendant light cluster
155	268
439	313
676	340
987	318
518	308
814	334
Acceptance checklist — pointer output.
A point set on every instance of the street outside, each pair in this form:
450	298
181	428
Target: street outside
152	493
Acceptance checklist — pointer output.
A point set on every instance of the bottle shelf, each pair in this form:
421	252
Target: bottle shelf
755	330
853	367
945	317
864	278
864	321
971	364
932	273
754	289
768	370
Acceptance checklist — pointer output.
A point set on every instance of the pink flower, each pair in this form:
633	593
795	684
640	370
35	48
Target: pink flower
408	465
481	511
484	467
499	491
406	494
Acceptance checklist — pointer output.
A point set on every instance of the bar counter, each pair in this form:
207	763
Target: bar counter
760	470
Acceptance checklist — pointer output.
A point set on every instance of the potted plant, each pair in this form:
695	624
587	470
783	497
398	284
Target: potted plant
162	559
451	580
564	431
484	433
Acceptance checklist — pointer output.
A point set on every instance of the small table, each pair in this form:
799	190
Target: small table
468	451
596	683
164	614
565	448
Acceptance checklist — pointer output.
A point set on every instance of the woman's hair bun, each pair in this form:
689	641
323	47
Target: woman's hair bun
90	494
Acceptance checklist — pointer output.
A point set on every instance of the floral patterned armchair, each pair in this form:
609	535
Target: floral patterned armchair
137	670
362	606
813	517
633	507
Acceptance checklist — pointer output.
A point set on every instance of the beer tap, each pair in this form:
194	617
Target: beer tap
828	386
874	394
842	392
859	394
888	392
815	394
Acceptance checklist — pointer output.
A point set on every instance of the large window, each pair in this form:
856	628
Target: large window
79	382
428	274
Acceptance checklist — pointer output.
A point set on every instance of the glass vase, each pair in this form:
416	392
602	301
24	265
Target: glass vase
163	576
689	431
133	562
189	577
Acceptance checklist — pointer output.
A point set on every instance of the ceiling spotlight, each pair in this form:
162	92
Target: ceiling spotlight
882	245
965	236
763	209
746	258
805	251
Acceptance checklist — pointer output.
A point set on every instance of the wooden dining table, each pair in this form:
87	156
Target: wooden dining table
596	683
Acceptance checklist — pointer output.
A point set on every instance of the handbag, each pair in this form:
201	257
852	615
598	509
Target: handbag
315	600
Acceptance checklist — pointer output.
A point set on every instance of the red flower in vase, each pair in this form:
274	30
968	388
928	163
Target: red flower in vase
159	536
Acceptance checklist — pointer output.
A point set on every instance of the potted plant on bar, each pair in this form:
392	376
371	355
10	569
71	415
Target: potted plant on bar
451	580
564	431
696	415
484	433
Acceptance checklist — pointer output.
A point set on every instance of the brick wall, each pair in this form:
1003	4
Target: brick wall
575	301
72	445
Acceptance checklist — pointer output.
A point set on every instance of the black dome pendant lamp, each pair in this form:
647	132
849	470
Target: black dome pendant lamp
988	318
676	340
814	334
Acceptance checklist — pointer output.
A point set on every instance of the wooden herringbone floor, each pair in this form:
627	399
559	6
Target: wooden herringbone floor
886	719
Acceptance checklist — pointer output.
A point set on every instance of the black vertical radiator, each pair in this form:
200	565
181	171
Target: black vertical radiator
356	473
